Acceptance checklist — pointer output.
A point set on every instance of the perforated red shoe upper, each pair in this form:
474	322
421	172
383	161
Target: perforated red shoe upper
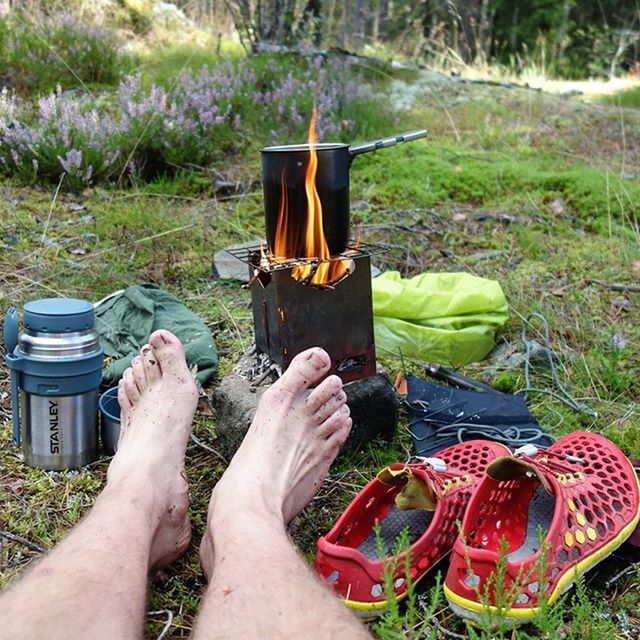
590	491
347	557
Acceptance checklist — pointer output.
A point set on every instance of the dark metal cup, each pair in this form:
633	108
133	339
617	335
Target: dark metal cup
283	181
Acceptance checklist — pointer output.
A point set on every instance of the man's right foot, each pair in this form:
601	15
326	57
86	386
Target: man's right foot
158	399
285	456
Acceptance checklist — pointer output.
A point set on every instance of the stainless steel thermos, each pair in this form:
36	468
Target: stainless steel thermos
56	367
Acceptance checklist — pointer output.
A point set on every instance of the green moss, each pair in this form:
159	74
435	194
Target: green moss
427	177
627	98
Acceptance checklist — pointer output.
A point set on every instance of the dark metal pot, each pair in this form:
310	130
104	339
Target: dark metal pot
283	175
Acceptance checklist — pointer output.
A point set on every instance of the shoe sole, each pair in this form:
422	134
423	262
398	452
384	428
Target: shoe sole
475	611
371	610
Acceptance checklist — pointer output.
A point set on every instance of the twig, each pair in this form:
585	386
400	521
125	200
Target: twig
235	324
53	204
155	112
104	251
445	631
620	574
23	541
465	155
616	286
206	447
201	392
167	624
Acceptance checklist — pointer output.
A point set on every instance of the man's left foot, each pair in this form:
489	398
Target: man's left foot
158	399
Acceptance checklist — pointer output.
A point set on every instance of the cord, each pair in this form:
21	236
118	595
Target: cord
564	396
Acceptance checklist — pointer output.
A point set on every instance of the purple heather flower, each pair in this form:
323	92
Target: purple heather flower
72	162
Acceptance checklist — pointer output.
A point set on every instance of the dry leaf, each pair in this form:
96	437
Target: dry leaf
15	486
457	168
459	217
557	292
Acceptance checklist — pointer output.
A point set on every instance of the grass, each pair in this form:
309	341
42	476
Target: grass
629	98
549	182
161	64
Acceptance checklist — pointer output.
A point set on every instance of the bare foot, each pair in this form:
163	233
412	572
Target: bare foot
158	399
285	456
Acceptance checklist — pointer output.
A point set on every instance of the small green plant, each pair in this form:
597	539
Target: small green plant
588	621
409	619
498	595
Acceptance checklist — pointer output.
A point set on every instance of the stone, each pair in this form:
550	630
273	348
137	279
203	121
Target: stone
372	401
228	267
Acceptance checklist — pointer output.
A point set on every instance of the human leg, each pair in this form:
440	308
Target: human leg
93	584
259	585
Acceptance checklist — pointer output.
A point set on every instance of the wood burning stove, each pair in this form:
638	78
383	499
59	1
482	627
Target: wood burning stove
290	316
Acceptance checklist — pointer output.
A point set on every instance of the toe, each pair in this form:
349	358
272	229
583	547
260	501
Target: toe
305	369
329	388
150	364
139	374
338	437
335	422
169	351
125	409
130	386
331	406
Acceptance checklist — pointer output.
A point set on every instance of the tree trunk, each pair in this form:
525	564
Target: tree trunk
384	11
359	24
244	21
513	40
483	28
375	23
564	28
623	43
312	22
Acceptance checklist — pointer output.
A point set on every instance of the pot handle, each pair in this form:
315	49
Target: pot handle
374	145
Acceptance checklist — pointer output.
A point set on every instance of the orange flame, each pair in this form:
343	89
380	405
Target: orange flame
264	261
328	271
281	248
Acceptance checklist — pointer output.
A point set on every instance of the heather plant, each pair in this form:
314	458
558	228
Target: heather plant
43	50
145	131
415	619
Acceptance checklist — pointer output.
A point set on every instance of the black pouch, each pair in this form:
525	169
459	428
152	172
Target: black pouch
443	415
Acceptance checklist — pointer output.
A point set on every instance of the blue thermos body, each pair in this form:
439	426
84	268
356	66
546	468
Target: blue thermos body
56	369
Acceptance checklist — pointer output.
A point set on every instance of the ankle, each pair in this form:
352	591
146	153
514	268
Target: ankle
135	494
243	513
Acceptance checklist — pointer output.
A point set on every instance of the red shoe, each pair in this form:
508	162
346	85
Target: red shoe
427	498
584	494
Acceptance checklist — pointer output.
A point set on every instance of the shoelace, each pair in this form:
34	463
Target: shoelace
433	467
554	463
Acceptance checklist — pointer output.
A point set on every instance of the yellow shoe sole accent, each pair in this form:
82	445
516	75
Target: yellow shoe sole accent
376	608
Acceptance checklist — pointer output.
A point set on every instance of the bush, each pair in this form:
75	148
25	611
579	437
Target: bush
201	118
40	51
